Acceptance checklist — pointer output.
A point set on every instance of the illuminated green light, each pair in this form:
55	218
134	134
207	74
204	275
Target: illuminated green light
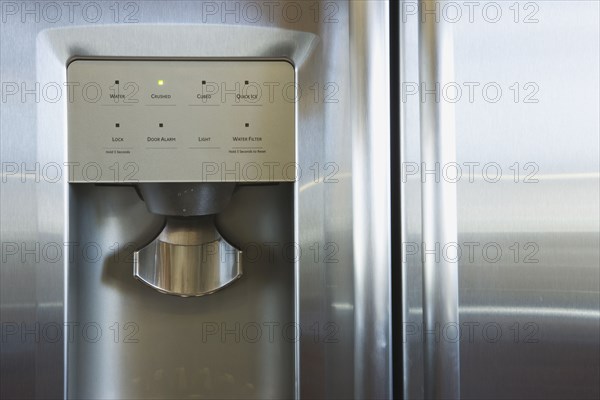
161	82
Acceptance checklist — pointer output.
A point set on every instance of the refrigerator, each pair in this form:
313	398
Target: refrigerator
434	232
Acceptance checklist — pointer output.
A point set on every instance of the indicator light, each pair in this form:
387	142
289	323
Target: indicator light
161	82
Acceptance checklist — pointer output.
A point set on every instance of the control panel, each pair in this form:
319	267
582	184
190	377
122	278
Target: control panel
181	121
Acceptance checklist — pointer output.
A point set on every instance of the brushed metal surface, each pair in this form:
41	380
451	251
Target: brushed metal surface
410	210
540	304
33	291
439	210
133	342
369	72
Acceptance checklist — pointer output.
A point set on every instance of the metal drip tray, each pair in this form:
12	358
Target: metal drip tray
188	258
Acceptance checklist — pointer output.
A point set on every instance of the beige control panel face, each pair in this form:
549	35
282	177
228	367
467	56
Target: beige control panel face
181	121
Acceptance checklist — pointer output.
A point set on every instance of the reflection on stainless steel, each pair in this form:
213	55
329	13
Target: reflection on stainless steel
410	213
102	290
159	346
318	45
439	224
547	310
542	301
369	72
188	258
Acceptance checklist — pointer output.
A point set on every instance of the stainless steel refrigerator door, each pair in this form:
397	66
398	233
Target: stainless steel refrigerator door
342	208
518	94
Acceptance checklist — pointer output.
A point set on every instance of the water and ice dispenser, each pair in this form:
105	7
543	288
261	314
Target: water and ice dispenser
183	171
